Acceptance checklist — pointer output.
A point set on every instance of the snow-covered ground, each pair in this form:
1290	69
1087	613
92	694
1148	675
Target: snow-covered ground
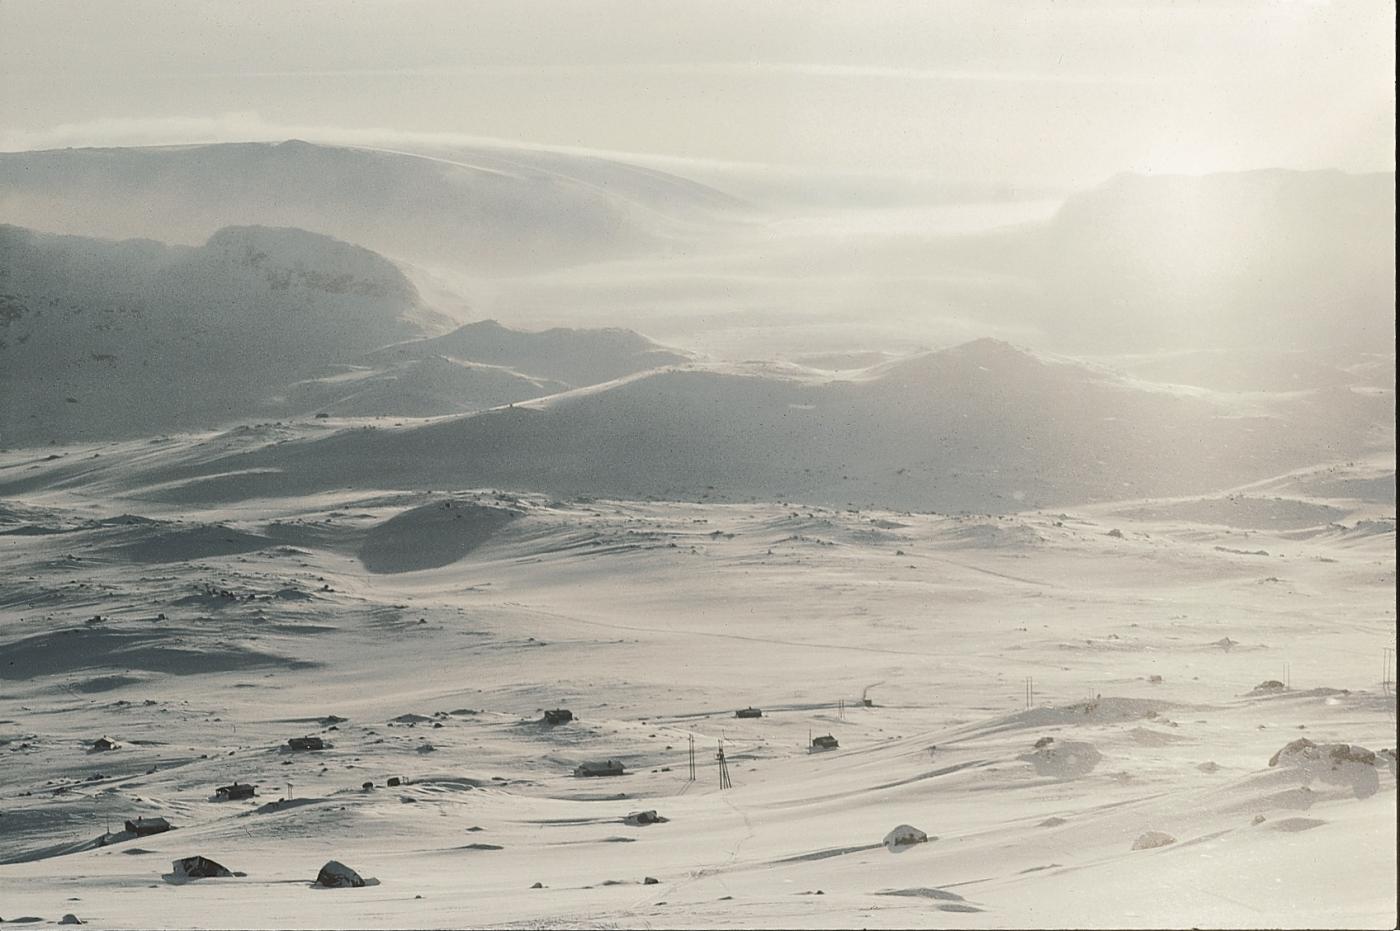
201	640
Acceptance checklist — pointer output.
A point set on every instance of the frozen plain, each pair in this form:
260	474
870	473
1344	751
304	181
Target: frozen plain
201	639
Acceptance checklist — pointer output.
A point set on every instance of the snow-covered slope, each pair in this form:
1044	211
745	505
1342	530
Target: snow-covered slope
113	338
101	338
571	356
427	386
1067	704
1245	369
983	427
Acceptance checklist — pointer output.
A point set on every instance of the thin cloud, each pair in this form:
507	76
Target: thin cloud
249	126
715	69
762	180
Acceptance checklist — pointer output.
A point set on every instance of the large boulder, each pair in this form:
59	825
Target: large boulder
198	868
903	837
336	875
1068	760
1336	764
1153	839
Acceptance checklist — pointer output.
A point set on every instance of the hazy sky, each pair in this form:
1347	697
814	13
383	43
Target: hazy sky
1025	92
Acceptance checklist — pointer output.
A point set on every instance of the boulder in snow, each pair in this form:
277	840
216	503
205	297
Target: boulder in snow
198	868
1067	760
1153	839
336	875
904	837
1337	764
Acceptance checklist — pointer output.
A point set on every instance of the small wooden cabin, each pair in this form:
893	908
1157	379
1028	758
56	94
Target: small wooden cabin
603	768
234	792
144	827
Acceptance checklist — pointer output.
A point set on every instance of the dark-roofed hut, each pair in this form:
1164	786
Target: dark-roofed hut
749	712
144	827
105	743
557	716
603	768
234	792
825	742
306	743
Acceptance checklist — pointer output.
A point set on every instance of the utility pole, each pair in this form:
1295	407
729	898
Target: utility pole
691	738
724	782
1030	692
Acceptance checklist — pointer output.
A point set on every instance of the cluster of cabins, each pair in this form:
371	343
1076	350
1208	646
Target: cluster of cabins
824	742
234	791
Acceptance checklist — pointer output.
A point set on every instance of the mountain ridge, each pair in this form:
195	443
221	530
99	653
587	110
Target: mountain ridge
1023	433
109	338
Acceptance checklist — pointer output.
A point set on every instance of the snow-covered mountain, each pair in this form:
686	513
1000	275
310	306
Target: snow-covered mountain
982	427
114	338
483	209
105	339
